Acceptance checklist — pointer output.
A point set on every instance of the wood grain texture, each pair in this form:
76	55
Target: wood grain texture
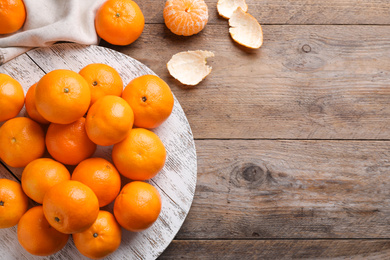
336	87
278	249
293	11
175	182
290	189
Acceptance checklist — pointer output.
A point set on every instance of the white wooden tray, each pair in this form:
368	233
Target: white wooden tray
176	182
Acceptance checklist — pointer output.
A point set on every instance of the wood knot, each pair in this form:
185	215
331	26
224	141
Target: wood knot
250	176
306	48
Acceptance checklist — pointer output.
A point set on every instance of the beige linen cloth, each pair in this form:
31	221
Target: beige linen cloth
50	21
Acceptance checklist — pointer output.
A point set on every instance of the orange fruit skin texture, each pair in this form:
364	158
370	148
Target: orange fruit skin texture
37	236
101	176
185	17
31	108
109	120
11	96
101	239
102	80
137	206
119	22
12	15
151	100
140	156
13	203
62	96
69	144
70	207
22	140
40	175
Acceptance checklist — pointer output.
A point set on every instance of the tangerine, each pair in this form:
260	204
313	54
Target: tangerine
40	175
12	15
13	203
70	207
137	206
11	96
37	236
22	140
31	108
69	144
62	96
151	100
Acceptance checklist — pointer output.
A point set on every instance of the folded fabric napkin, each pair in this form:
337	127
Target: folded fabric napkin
50	21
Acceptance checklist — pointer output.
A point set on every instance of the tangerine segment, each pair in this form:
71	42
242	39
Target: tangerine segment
13	203
119	22
22	140
12	15
245	30
185	17
37	236
62	96
11	96
101	239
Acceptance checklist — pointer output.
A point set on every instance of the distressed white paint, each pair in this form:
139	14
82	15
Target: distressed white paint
176	182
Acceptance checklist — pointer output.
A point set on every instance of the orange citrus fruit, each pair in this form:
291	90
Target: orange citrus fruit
31	108
11	96
140	156
151	100
103	80
13	203
185	17
40	175
22	140
62	96
101	239
109	120
69	144
12	15
119	22
70	207
37	236
137	206
101	176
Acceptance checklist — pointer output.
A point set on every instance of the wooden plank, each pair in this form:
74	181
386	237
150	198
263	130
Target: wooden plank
336	87
290	189
278	249
293	11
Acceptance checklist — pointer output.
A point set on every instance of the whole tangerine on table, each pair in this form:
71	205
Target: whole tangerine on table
13	203
22	140
11	96
140	156
103	80
119	22
185	17
62	96
101	239
137	206
40	175
36	235
31	108
12	15
69	144
70	207
109	120
101	176
151	100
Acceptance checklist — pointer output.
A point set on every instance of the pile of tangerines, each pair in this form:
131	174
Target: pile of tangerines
69	115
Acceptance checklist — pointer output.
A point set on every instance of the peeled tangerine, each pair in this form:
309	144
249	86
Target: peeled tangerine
190	67
245	29
227	7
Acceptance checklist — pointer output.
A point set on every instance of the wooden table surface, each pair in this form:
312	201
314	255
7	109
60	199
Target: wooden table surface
292	139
